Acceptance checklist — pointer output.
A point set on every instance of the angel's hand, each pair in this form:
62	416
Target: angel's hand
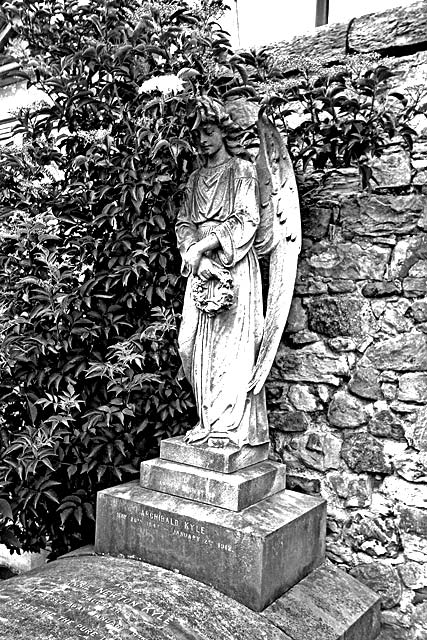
193	257
208	269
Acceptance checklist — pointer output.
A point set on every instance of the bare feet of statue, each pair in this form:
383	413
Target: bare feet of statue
218	443
197	435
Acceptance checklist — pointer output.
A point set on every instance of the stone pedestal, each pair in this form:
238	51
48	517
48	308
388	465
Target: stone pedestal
233	491
237	530
222	459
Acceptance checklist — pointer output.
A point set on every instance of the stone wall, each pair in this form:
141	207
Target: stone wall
348	392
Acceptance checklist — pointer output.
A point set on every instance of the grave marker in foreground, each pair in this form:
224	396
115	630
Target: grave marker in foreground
102	598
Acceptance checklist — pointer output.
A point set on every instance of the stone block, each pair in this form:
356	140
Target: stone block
365	454
396	28
419	311
320	451
408	258
302	398
364	383
325	41
288	421
355	490
414	547
413	387
415	287
221	459
101	598
374	216
327	605
412	466
386	424
337	316
413	574
347	261
234	491
346	411
406	352
341	286
372	534
297	318
413	520
341	181
407	493
382	289
25	561
383	579
419	435
303	484
315	223
313	363
393	168
254	556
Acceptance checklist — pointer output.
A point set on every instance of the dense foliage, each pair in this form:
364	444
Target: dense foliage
90	286
336	114
90	291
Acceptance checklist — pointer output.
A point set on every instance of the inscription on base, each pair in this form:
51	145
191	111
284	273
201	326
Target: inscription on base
178	527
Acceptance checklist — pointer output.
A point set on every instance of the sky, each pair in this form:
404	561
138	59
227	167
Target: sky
264	21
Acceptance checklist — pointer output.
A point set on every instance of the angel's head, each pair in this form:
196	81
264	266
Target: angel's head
212	126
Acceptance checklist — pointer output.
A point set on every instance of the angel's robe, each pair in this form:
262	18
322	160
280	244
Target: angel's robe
218	353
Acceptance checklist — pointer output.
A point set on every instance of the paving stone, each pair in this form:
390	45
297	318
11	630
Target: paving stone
254	555
234	491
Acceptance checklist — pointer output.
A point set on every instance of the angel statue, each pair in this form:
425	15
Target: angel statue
235	211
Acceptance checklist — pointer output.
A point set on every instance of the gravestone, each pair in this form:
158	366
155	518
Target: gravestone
87	597
219	515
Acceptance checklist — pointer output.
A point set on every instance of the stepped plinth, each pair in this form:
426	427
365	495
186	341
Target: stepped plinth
219	515
223	459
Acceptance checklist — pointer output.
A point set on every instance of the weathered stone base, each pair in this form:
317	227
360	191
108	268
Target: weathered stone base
254	556
327	605
234	491
82	597
221	459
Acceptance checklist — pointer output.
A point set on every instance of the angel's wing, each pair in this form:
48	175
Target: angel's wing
279	234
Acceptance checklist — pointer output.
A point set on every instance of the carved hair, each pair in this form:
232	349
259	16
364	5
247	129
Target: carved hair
209	110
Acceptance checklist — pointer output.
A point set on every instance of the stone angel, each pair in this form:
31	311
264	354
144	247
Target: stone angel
234	212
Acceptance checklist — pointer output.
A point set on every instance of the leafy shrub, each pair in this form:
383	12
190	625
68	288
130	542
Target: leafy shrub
90	289
90	292
336	114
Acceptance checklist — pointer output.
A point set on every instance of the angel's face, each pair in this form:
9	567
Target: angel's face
211	139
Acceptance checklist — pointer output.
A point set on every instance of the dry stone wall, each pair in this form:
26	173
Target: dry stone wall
348	391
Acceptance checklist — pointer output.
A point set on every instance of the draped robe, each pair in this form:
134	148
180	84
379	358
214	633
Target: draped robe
218	353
